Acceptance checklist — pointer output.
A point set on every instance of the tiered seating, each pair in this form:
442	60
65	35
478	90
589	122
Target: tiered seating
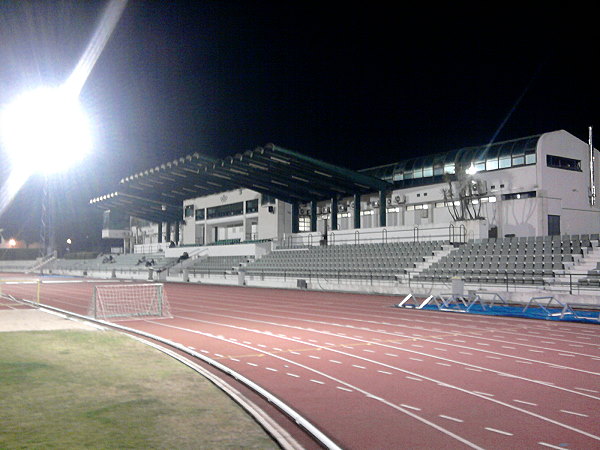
527	260
15	266
218	263
376	261
132	261
592	278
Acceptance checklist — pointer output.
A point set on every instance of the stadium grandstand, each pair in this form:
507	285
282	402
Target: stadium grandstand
492	216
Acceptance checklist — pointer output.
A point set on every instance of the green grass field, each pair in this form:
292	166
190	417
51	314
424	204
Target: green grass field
98	389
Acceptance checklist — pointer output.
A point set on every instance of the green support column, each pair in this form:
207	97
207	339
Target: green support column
356	210
382	209
334	213
295	217
313	216
160	231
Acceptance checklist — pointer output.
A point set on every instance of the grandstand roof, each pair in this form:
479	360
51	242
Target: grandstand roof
157	194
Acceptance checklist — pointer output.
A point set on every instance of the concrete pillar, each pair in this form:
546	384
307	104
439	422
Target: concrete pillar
382	209
160	232
295	217
356	210
334	213
313	216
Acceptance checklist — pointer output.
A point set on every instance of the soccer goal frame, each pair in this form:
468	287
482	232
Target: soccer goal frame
129	301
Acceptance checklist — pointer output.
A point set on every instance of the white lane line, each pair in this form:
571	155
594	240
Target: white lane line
204	351
523	362
483	393
451	418
391	354
524	402
414	378
293	375
219	355
262	345
472	369
271	369
405	371
459	340
416	345
587	390
368	351
483	343
566	354
252	364
344	389
416	359
314	357
536	351
335	361
384	372
358	367
465	353
509	347
492	357
410	407
317	381
294	353
247	342
234	359
545	444
574	413
278	349
330	343
440	349
443	364
505	433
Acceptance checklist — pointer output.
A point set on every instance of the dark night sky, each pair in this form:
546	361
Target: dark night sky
356	85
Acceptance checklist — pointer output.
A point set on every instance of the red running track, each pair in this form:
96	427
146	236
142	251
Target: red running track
372	376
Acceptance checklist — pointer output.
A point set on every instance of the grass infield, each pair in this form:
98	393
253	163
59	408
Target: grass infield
98	389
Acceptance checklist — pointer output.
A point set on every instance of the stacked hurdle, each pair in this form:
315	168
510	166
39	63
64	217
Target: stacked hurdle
492	303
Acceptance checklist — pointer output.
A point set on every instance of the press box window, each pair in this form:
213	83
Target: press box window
560	162
200	214
251	206
189	210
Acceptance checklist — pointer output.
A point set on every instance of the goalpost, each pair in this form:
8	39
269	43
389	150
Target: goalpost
129	301
15	289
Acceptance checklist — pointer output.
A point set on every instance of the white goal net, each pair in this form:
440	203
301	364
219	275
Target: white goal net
129	301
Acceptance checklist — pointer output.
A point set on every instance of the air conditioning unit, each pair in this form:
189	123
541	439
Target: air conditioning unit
388	201
326	210
351	204
375	204
341	208
400	199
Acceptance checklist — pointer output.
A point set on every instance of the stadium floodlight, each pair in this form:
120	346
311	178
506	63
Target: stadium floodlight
45	131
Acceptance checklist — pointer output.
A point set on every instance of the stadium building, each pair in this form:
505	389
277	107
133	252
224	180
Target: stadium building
540	185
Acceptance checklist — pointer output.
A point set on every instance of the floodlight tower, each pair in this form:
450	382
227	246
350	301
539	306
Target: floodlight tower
44	131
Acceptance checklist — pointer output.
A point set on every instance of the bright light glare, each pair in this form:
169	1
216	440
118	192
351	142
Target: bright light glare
472	170
45	131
